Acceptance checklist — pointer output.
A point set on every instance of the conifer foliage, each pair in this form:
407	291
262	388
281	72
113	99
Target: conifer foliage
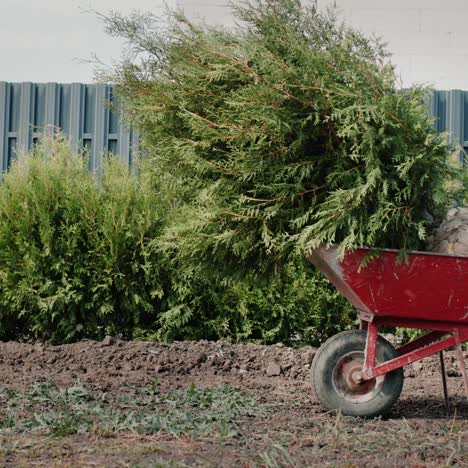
283	133
78	256
83	256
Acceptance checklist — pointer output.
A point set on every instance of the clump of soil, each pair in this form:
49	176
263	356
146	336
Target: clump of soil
294	432
114	365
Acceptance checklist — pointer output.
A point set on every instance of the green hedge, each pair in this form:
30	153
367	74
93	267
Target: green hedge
85	257
77	258
294	305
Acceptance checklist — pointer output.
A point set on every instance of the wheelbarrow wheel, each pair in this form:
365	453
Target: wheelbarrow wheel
333	370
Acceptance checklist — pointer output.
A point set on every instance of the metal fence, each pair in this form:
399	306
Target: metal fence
449	109
81	111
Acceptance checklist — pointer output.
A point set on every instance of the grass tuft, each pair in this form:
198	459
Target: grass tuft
57	412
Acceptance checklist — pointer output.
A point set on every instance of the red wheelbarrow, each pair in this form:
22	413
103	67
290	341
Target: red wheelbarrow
361	373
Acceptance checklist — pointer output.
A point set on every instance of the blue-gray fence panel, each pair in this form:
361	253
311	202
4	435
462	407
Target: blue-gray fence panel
449	109
81	111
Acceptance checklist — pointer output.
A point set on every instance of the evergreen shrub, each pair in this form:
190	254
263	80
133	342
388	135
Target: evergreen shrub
295	306
77	254
286	132
268	139
83	257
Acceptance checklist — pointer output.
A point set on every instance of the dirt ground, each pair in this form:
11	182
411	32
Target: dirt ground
284	427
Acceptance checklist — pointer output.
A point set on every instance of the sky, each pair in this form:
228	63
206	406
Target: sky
47	40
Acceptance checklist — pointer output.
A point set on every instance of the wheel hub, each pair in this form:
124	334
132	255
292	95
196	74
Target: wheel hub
348	382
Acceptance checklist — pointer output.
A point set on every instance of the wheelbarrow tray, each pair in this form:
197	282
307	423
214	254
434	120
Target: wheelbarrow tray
429	286
358	371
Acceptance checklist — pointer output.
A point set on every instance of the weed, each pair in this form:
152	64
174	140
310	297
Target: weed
62	412
277	456
353	438
7	447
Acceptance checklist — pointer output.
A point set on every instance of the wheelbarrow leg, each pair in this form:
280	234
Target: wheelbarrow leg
461	363
459	338
444	379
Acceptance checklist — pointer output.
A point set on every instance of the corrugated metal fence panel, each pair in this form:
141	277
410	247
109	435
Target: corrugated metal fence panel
449	109
81	111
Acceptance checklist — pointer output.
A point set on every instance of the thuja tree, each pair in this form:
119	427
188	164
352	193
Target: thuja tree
269	139
78	255
285	132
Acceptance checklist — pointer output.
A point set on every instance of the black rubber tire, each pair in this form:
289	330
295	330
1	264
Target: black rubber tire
324	376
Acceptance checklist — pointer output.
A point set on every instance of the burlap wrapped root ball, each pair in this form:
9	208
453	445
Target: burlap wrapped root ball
452	235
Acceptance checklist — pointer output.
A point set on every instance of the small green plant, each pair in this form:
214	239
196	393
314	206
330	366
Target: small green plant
61	412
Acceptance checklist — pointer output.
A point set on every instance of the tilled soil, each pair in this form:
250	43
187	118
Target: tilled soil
295	432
